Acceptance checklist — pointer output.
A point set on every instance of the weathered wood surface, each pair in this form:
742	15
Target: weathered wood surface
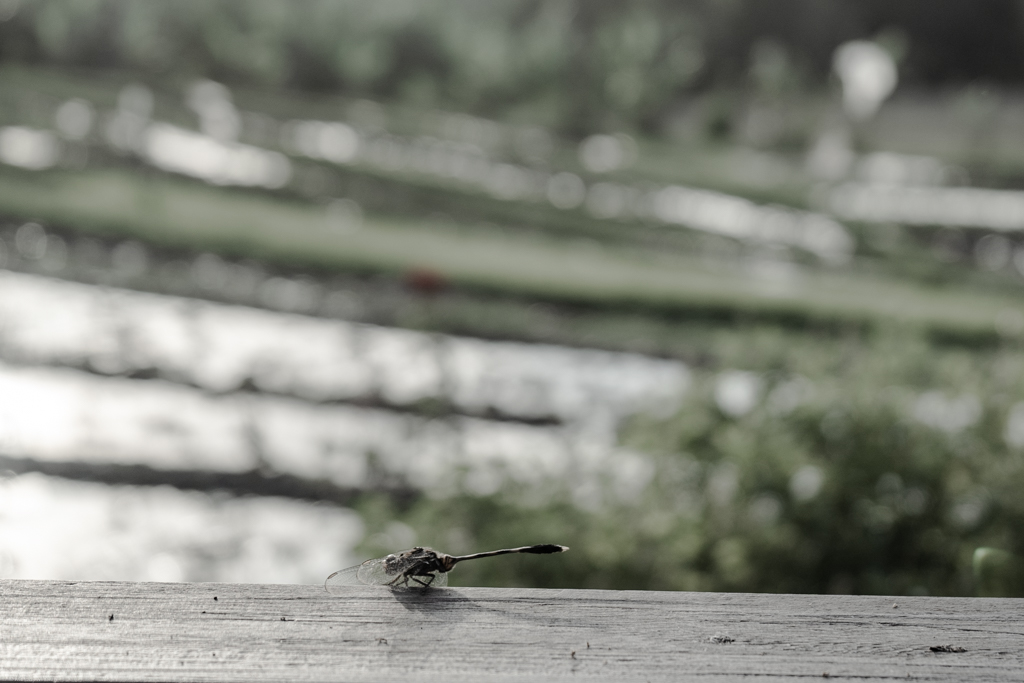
221	632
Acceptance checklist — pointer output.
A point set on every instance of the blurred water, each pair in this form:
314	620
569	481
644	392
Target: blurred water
64	415
56	529
100	376
222	348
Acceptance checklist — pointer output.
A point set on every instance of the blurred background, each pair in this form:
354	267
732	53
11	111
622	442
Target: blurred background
723	294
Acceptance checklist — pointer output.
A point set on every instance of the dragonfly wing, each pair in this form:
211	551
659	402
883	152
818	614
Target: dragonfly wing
376	573
337	581
380	572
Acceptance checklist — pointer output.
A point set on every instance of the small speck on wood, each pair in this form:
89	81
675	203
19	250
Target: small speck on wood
110	618
947	648
573	654
215	598
719	639
382	641
588	644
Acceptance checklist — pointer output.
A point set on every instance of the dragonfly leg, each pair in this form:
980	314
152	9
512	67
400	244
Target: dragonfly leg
421	582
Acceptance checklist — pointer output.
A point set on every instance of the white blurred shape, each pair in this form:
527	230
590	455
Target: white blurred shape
890	168
396	536
1013	434
56	529
210	349
125	128
28	148
737	392
526	454
967	513
534	380
338	143
868	74
218	117
219	347
788	395
221	163
605	153
164	567
332	141
742	219
65	415
950	415
566	190
631	473
806	483
406	364
74	119
952	206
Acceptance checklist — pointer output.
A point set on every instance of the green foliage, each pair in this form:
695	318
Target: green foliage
835	482
584	65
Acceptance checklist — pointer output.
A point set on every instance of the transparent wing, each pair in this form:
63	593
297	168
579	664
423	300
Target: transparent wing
375	573
378	573
337	581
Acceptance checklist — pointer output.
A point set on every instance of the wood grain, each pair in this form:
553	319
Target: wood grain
227	632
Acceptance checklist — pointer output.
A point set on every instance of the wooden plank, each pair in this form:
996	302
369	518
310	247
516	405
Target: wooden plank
219	632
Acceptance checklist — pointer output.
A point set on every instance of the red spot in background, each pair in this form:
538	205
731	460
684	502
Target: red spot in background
425	280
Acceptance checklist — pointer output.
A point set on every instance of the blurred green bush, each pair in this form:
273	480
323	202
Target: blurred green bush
576	65
859	477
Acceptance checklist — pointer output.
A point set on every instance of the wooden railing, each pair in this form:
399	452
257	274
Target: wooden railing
53	630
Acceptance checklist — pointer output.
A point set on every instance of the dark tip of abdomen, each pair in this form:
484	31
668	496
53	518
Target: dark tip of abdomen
547	548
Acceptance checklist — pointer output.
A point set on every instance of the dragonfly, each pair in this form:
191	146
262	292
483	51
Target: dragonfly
417	566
